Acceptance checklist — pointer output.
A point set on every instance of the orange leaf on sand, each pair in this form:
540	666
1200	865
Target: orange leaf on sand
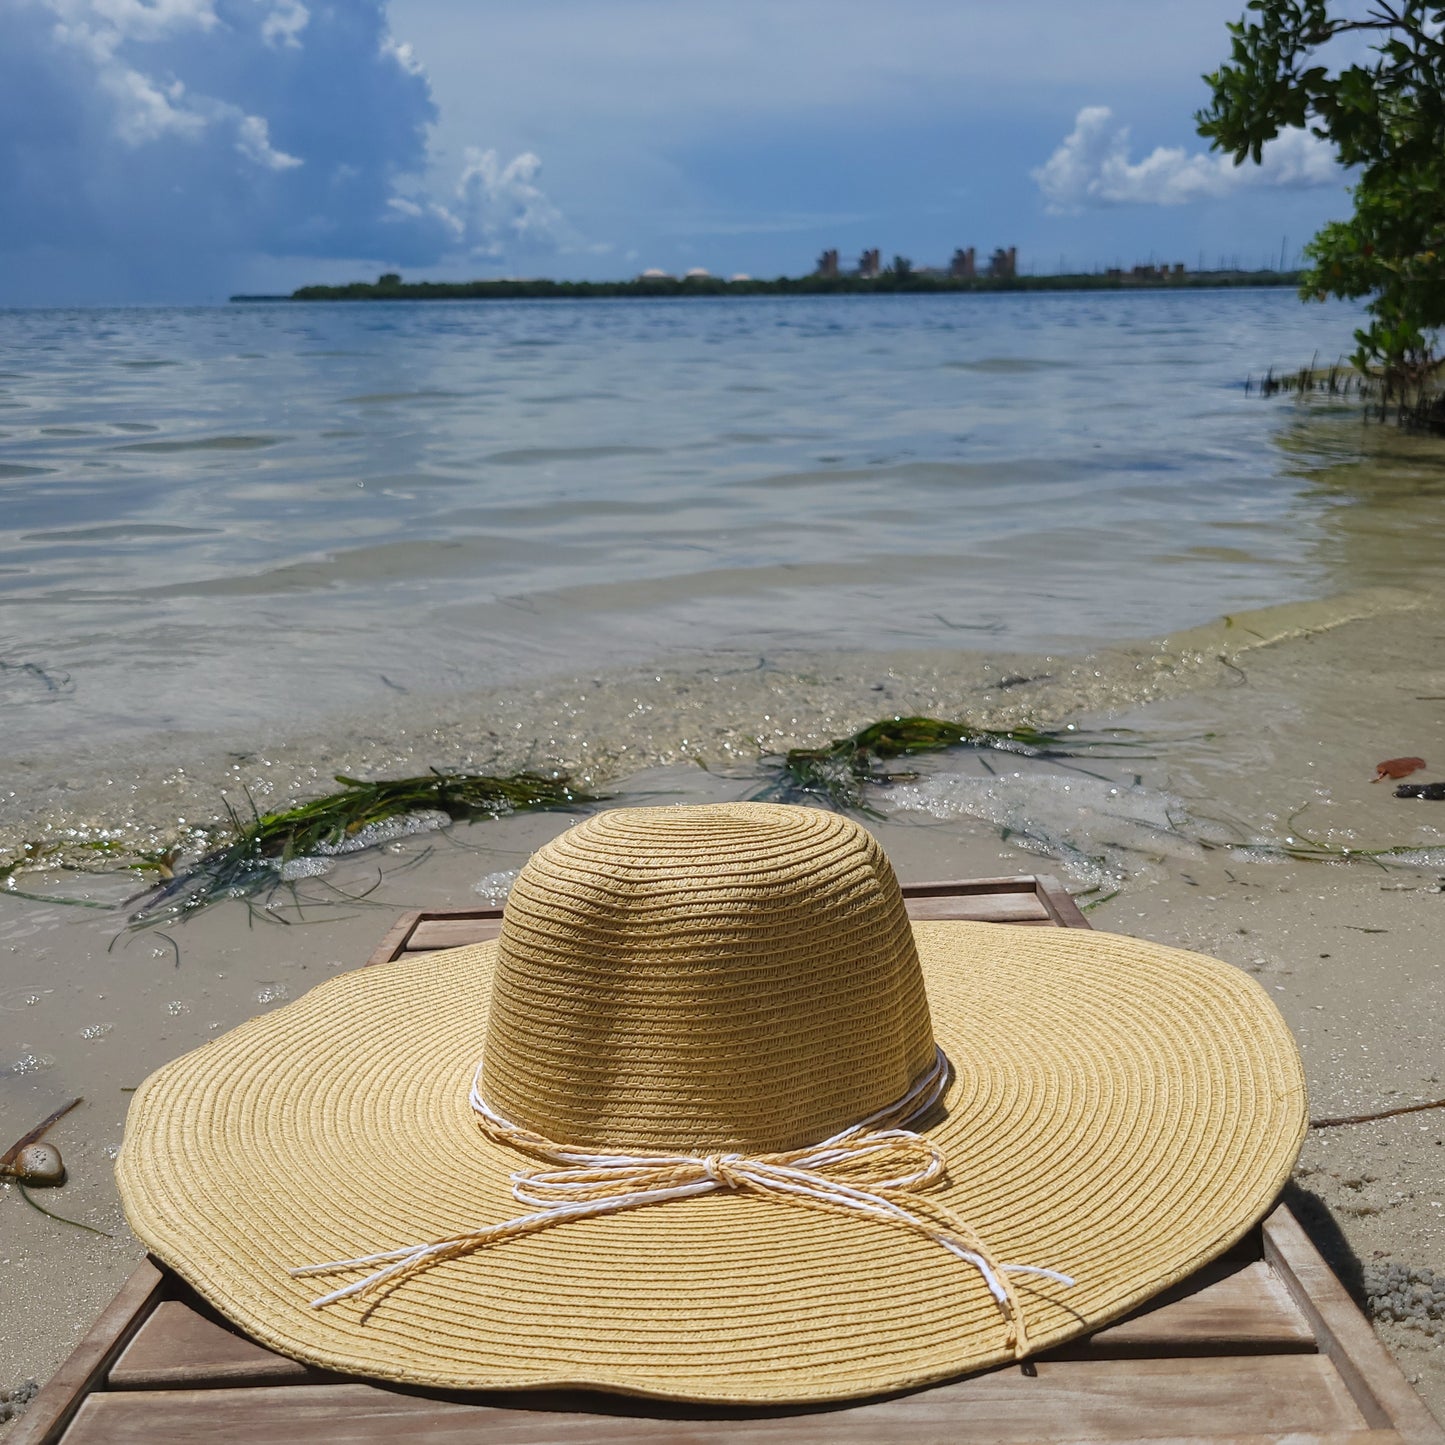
1396	768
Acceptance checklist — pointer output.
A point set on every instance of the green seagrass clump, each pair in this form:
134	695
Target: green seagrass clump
840	772
259	848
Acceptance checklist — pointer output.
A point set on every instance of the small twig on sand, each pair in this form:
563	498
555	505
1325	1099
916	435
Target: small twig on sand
1378	1114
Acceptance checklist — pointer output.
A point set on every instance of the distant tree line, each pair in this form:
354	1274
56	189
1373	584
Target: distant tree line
897	278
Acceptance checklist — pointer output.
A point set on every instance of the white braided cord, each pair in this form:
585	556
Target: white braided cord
589	1185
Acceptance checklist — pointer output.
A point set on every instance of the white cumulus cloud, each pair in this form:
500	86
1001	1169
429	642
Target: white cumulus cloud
500	206
140	19
283	26
1091	168
253	140
402	54
403	208
143	110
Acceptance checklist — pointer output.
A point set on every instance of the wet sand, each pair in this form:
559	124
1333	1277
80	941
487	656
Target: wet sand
1247	721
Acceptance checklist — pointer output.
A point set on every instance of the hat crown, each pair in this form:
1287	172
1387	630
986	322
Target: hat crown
692	979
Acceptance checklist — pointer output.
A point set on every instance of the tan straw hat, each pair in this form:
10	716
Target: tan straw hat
739	1131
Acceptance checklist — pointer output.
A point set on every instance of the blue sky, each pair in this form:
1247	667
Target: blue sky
180	150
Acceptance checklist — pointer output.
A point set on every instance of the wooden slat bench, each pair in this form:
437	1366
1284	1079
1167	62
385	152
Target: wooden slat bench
1262	1346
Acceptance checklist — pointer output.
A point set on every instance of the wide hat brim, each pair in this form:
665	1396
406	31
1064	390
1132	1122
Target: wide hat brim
1119	1111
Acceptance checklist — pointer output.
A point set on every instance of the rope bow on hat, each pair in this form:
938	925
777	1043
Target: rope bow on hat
862	1170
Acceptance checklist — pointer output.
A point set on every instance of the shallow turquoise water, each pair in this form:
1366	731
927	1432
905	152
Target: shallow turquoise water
217	516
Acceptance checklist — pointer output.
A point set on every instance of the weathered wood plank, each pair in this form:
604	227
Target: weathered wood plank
1011	901
1234	1308
981	907
52	1408
182	1345
1282	1437
1224	1309
394	944
1055	905
1066	913
1345	1336
1074	1400
970	887
434	932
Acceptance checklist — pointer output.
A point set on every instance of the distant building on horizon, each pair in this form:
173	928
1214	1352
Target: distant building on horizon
1003	265
1151	272
962	266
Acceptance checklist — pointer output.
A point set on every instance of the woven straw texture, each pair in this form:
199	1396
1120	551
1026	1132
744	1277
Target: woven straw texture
739	976
708	978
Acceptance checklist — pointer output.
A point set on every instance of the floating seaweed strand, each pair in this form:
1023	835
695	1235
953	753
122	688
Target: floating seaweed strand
840	772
